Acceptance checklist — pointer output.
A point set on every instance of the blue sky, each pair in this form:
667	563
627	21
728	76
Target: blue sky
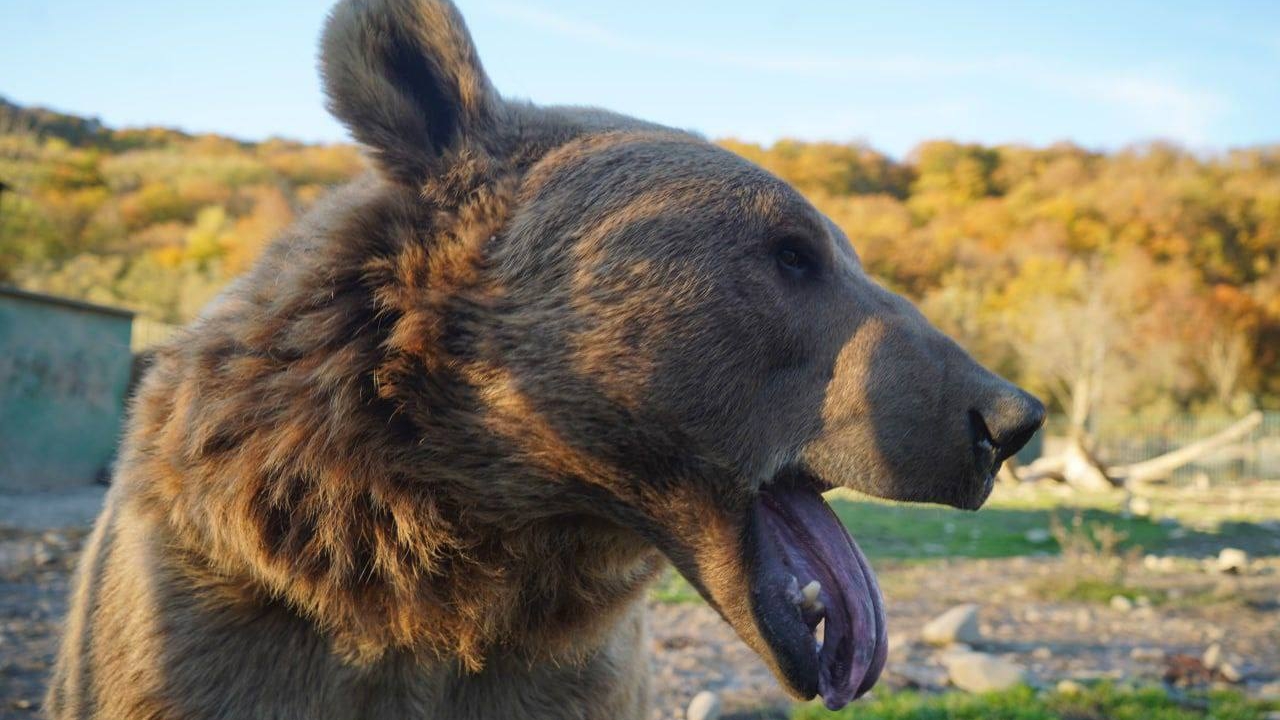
1104	74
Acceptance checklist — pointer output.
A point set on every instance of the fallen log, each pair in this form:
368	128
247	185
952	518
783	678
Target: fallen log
1079	468
1162	466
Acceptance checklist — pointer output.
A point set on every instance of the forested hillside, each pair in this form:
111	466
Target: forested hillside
1142	282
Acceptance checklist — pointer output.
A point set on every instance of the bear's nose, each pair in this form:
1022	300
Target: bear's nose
1008	421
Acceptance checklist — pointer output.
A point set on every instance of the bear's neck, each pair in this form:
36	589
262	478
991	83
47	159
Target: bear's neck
422	549
312	440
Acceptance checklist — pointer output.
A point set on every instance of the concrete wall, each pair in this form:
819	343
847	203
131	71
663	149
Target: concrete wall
64	368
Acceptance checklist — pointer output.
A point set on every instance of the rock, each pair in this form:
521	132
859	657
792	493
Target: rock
704	706
1140	506
922	677
957	625
1069	687
1083	619
1232	560
42	555
1212	657
979	672
1037	535
1230	672
1269	691
954	649
1273	715
1042	653
899	644
1121	603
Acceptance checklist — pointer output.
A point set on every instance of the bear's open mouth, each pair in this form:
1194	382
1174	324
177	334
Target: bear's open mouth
815	599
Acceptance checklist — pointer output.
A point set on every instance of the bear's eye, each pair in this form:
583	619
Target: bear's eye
793	260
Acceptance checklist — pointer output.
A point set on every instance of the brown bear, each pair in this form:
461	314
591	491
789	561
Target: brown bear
424	459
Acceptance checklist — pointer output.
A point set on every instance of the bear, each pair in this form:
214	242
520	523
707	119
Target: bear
424	459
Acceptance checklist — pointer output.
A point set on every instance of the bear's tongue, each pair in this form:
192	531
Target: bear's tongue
800	541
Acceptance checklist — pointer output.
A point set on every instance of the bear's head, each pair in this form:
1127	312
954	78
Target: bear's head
662	336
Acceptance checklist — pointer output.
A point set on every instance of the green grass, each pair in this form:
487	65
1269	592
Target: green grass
672	588
1095	590
922	532
1101	702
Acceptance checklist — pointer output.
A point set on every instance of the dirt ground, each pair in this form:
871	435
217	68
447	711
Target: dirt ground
1053	638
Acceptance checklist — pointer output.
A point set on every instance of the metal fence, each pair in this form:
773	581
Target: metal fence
1256	457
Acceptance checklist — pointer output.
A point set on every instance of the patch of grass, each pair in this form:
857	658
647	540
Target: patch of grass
1094	590
672	588
919	532
1100	702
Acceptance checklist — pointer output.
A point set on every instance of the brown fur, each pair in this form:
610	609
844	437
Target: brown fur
423	460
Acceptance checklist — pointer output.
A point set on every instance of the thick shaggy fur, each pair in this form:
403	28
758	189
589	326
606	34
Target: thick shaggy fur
423	460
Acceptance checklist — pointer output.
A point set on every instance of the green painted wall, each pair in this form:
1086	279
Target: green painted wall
64	369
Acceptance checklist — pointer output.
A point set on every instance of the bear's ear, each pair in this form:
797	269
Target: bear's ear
404	77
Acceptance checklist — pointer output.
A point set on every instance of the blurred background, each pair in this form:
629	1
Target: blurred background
1085	195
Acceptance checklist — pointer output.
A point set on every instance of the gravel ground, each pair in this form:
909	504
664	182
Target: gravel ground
694	650
1053	641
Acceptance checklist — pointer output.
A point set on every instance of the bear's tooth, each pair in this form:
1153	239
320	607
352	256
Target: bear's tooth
810	591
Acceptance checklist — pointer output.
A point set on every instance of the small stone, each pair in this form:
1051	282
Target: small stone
899	644
1232	560
41	555
954	649
1042	653
979	672
1269	691
1212	657
922	676
1140	507
1069	687
1083	619
704	706
1037	535
957	625
1121	603
1230	672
